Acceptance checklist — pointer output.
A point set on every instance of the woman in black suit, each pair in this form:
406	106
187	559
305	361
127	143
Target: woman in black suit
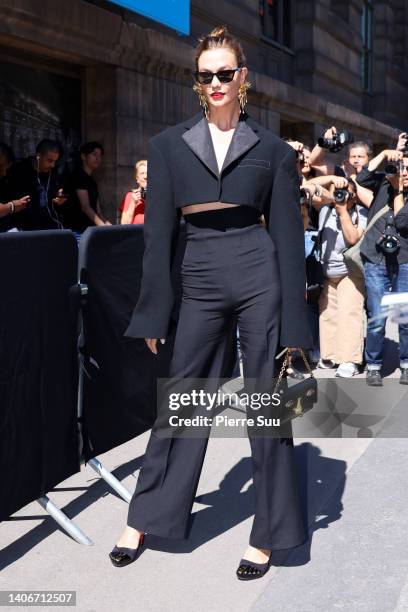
222	171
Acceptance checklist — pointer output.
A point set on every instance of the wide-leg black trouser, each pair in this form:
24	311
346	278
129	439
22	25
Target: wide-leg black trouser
224	274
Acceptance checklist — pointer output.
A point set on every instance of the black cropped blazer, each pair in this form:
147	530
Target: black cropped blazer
259	171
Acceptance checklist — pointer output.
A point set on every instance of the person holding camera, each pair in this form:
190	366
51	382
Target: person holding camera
358	156
341	302
132	208
384	252
312	196
311	192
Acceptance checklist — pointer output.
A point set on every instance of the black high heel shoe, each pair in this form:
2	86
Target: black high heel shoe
248	570
121	556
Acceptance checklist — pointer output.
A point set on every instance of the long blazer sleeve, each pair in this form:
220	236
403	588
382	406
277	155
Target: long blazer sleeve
151	316
286	230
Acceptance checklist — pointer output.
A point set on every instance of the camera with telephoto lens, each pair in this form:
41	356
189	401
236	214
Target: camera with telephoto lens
340	139
341	196
143	193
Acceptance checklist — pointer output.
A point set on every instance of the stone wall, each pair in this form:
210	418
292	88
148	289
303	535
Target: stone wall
138	80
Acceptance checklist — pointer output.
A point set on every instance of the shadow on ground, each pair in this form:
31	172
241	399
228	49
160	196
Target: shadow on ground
322	481
95	491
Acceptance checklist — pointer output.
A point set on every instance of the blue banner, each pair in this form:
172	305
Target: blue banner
173	13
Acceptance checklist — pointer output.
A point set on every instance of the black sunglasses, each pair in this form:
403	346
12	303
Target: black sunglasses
224	76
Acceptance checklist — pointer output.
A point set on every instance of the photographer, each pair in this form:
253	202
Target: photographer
385	254
35	177
358	156
312	196
341	302
311	193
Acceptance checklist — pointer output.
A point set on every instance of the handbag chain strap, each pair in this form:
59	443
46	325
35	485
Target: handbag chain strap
285	365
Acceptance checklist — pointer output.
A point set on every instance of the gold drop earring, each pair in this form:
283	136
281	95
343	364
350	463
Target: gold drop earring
202	100
242	95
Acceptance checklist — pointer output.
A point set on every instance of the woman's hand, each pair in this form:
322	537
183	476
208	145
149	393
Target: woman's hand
136	195
152	344
348	168
298	146
340	182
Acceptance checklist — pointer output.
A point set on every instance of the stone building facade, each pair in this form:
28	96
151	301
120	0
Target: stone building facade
88	69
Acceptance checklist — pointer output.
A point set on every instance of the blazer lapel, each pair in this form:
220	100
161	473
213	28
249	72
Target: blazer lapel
198	138
244	138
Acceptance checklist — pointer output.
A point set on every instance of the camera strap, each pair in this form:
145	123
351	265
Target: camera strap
390	223
377	216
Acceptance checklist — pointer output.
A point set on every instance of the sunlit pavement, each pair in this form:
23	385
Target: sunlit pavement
355	498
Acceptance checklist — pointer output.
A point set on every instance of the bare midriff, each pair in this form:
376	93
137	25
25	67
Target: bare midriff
195	208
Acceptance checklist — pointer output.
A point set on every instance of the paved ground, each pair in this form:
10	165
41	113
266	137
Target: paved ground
355	497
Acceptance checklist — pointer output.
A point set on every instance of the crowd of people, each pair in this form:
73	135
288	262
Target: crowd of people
354	204
363	200
34	196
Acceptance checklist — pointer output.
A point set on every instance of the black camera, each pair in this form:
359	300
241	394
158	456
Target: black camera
341	196
389	243
339	140
393	169
143	193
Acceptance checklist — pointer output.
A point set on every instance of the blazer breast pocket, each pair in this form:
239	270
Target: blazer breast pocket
258	163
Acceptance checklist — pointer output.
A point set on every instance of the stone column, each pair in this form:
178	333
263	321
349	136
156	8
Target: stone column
101	125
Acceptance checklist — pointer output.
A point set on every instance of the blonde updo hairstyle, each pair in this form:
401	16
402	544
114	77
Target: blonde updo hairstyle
220	37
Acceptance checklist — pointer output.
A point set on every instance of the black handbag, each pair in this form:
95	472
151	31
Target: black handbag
298	398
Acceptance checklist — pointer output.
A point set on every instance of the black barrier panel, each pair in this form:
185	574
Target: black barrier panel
38	365
121	373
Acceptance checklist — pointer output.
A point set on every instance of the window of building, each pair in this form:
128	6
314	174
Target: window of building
367	48
276	20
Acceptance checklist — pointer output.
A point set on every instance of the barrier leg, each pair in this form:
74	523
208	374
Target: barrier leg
110	479
94	463
64	522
